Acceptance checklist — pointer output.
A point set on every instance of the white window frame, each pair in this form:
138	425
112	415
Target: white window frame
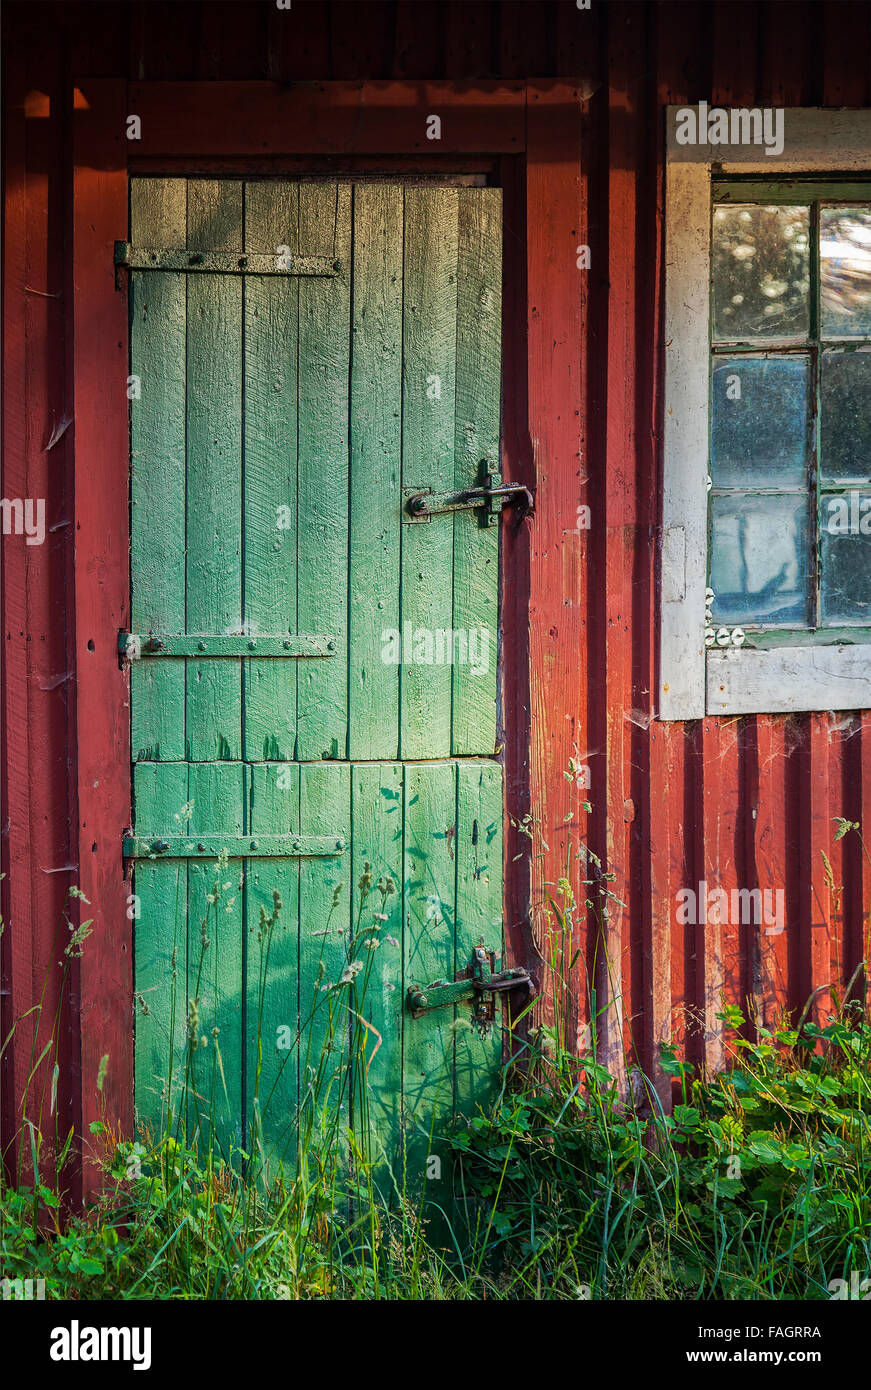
695	680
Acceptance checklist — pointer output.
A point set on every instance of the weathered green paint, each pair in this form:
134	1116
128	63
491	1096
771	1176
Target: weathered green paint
213	715
376	441
270	502
322	485
157	468
476	438
428	430
279	420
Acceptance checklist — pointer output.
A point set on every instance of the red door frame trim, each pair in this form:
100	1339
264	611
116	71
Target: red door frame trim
207	120
102	543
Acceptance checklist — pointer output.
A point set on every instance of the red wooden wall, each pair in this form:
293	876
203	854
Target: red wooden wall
736	802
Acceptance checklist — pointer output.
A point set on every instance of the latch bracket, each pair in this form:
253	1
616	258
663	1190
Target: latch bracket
422	504
477	982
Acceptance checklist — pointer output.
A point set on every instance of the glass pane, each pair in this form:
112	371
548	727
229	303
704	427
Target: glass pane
760	272
759	553
845	543
760	422
845	271
845	416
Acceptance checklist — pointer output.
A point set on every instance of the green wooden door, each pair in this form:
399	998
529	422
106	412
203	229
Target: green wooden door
313	673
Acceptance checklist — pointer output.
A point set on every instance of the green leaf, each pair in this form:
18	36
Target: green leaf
687	1116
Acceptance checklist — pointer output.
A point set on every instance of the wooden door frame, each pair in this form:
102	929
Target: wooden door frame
534	129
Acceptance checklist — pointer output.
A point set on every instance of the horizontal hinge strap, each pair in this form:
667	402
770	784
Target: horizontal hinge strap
223	262
135	645
236	846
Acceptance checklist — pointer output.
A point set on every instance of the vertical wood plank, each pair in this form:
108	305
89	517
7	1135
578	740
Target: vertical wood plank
272	965
817	927
477	1056
269	503
561	724
769	864
214	471
325	891
376	430
324	333
160	976
429	883
476	438
658	1028
158	217
37	768
377	840
215	970
428	376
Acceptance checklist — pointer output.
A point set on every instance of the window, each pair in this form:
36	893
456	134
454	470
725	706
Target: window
766	543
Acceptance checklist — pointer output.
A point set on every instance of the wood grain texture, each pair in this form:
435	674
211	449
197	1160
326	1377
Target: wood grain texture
270	516
158	308
376	441
322	488
428	392
271	965
213	710
476	439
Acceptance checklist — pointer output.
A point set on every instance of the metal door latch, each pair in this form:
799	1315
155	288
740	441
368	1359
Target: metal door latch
422	504
477	982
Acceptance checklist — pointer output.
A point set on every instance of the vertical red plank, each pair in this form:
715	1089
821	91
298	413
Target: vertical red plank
717	873
557	591
664	740
525	39
817	907
232	41
625	629
18	939
101	597
361	39
789	67
770	867
36	690
846	52
419	49
470	40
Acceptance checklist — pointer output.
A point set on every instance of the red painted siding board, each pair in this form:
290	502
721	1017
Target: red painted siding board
36	676
557	681
101	599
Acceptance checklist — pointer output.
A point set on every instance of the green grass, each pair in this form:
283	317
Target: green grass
756	1186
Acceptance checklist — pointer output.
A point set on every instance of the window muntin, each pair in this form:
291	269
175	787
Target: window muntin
789	525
